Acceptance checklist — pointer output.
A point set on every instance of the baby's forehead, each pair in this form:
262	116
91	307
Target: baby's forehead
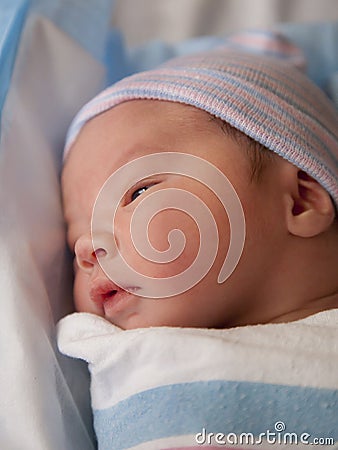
140	123
173	112
126	118
133	129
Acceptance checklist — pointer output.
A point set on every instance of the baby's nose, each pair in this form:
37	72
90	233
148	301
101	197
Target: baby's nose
86	255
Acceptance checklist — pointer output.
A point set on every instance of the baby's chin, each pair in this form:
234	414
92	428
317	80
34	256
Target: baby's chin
88	307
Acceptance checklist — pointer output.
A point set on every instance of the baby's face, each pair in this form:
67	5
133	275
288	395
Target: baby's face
141	128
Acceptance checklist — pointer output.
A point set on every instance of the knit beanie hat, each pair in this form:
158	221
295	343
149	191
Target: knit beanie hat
267	98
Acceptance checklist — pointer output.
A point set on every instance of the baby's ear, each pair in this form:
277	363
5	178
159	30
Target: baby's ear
310	208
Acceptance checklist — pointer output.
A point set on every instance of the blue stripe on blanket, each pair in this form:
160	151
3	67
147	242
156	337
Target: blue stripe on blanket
218	407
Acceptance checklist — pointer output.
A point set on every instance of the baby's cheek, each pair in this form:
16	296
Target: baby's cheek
173	239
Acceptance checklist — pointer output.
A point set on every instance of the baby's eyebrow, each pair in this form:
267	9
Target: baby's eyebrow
133	152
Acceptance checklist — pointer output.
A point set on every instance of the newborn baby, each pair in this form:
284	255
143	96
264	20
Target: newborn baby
249	145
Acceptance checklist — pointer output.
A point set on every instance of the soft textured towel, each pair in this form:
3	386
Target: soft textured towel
166	388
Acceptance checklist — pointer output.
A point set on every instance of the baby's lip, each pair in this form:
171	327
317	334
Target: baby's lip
102	290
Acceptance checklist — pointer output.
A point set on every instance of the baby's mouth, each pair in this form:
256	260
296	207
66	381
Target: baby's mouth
108	294
102	291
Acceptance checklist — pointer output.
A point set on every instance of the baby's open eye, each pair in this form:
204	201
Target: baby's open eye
138	192
138	189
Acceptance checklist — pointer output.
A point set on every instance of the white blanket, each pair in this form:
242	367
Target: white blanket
167	387
43	402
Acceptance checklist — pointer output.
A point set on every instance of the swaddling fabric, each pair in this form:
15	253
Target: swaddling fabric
180	388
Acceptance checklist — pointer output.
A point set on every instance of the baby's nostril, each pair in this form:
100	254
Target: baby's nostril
100	252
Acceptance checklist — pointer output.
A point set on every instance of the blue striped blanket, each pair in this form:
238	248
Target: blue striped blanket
186	388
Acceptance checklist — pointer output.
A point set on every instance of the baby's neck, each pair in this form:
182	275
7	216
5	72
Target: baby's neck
312	307
305	281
